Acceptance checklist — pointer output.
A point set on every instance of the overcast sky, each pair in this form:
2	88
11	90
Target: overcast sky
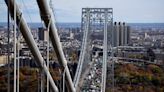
131	11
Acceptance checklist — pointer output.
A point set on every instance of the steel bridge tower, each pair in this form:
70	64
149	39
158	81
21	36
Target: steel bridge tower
94	19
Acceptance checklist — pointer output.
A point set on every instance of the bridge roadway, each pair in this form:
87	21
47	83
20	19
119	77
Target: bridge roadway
93	75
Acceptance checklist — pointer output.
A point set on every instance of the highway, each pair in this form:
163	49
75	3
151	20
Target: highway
92	81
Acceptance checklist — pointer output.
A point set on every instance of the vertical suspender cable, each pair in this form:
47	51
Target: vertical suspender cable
48	54
104	54
14	45
18	43
45	14
8	47
31	43
18	64
42	79
113	62
64	80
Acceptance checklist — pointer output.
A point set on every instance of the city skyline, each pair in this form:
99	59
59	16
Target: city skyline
136	11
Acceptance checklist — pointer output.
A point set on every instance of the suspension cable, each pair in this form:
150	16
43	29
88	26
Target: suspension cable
14	45
18	62
28	13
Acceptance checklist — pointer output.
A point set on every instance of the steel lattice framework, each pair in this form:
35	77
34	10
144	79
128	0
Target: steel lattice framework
94	19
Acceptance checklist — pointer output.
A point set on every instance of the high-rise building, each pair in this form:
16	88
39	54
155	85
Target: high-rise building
121	34
71	35
115	35
128	35
124	34
42	34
